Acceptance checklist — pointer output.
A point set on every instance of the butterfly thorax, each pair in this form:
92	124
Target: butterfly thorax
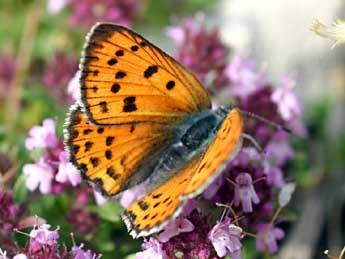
192	138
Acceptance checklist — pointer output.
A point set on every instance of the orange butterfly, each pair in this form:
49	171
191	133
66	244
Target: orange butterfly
144	117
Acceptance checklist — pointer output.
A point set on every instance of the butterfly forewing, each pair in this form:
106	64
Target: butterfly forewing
125	79
110	156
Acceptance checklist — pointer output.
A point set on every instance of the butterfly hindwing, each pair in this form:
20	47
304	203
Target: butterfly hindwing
125	78
110	156
221	150
151	213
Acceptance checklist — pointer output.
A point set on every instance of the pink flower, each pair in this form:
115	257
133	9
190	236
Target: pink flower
73	87
245	156
212	189
20	256
67	172
43	236
40	174
244	79
129	196
81	254
152	249
289	105
274	174
267	236
55	6
225	238
99	198
278	150
174	228
200	50
245	192
42	136
88	12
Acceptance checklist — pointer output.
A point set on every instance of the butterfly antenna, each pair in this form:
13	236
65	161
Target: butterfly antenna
254	142
268	122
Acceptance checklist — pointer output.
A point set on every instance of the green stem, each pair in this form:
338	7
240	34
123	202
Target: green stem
23	62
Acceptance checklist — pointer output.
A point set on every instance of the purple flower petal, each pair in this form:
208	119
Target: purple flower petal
42	136
67	173
40	174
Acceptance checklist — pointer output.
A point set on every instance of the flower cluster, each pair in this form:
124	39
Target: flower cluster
250	182
201	51
87	13
10	214
43	243
53	173
58	72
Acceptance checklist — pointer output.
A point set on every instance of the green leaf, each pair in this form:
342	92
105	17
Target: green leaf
20	192
110	211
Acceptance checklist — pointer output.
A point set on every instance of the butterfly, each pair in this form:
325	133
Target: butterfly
143	117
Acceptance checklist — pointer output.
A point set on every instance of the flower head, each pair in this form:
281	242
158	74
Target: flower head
174	228
244	79
67	172
59	71
152	249
41	236
289	104
245	192
88	12
334	32
225	238
10	214
201	51
42	136
39	175
80	253
267	237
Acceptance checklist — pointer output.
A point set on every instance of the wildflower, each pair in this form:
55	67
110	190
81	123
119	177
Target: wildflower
42	136
244	80
39	175
278	149
191	244
267	237
129	196
41	236
286	193
83	221
73	87
55	6
152	249
179	225
201	51
10	214
225	238
87	13
67	172
274	174
289	105
334	32
79	252
59	71
245	192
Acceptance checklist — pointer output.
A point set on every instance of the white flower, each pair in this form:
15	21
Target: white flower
334	32
286	193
